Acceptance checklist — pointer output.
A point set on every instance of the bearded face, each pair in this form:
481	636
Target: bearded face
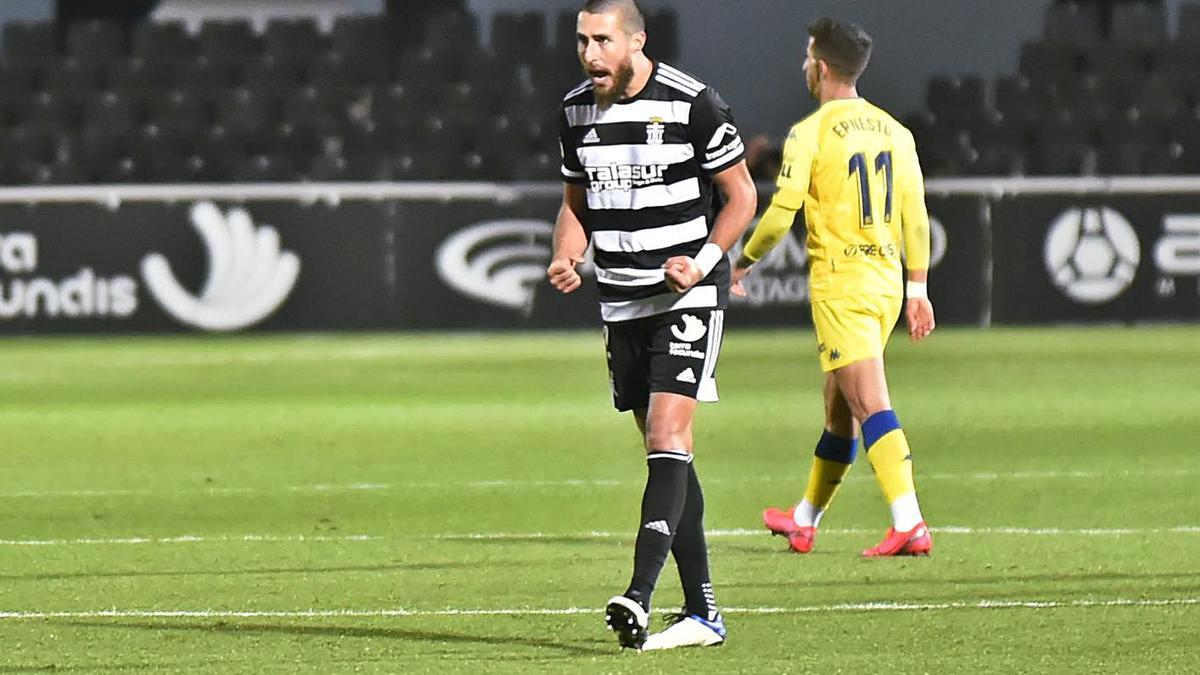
606	54
812	71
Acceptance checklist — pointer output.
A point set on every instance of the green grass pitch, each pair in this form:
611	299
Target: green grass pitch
467	503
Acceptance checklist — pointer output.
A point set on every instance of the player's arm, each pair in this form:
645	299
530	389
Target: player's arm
720	152
791	187
570	240
741	201
914	223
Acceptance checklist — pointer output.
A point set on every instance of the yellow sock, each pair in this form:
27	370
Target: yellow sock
831	462
887	449
892	461
824	479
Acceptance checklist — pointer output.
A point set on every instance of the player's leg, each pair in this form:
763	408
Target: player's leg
668	429
837	446
832	459
628	368
683	372
865	387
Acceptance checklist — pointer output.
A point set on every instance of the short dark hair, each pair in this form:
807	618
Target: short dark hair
844	47
633	20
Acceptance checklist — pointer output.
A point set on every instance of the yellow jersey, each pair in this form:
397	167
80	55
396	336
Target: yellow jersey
854	169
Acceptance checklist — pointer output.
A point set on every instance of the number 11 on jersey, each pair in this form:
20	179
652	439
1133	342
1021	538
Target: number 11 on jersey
883	162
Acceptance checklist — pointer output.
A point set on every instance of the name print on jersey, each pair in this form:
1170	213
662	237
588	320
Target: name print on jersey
624	177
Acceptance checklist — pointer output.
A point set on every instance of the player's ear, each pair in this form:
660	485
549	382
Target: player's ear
638	41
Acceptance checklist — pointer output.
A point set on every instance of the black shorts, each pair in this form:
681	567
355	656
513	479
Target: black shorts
675	352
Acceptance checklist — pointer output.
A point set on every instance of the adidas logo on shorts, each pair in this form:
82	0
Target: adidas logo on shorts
686	376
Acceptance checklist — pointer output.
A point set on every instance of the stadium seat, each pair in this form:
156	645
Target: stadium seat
273	77
1167	159
162	43
1019	101
292	40
264	169
139	78
96	41
227	42
452	30
518	38
394	109
1159	98
74	78
30	42
1073	23
1184	128
1053	61
208	78
245	111
31	143
333	69
361	38
1143	23
662	34
948	154
16	81
1000	160
180	112
1122	159
1062	145
995	129
957	101
536	166
1120	60
315	110
924	126
563	39
1094	101
96	140
48	110
111	111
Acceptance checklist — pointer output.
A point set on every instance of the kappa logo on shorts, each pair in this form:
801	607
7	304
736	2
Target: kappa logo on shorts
835	355
688	375
693	329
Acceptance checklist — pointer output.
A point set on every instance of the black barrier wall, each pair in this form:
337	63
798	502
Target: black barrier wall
460	264
1113	258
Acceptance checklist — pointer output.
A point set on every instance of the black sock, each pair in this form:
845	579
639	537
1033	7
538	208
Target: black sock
662	505
691	552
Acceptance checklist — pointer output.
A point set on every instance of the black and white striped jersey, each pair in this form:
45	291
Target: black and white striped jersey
647	163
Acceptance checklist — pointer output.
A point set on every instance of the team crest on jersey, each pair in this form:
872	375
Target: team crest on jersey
654	131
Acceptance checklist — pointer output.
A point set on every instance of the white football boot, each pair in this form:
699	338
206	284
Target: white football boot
688	631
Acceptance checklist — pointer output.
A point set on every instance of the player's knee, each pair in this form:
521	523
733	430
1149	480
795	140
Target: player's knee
864	404
839	420
668	439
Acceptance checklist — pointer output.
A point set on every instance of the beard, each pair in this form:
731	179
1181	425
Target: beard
814	85
620	84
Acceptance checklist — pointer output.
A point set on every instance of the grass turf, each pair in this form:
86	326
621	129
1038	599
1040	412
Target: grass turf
353	503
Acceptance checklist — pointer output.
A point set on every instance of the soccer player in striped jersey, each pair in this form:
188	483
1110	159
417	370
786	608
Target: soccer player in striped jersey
853	170
645	149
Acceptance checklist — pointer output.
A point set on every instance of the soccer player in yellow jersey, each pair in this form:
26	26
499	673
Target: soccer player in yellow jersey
852	169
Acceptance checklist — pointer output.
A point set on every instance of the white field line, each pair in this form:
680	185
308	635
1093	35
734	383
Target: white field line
567	483
192	539
596	534
394	613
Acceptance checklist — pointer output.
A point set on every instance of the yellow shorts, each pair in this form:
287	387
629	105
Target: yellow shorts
853	328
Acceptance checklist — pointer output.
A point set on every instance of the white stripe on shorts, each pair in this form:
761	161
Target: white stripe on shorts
707	390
